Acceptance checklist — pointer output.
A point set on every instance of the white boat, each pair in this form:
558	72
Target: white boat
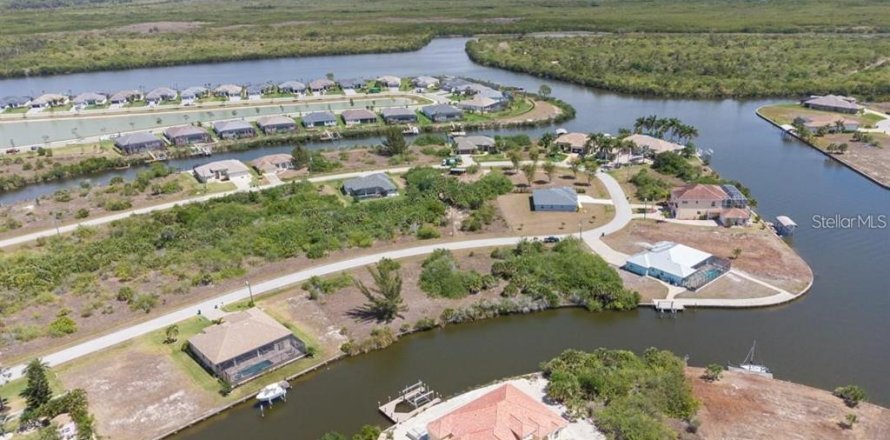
750	365
271	392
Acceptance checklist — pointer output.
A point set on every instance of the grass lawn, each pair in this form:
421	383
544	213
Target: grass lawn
491	157
192	187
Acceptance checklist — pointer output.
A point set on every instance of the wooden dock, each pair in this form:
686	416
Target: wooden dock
418	397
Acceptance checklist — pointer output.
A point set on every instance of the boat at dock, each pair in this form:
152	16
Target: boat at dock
750	365
273	392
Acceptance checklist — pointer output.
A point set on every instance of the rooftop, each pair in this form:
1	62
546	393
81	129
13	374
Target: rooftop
504	413
275	120
376	180
441	109
239	333
561	195
575	140
653	143
698	191
135	138
236	124
669	257
358	114
833	101
398	111
231	166
314	117
183	130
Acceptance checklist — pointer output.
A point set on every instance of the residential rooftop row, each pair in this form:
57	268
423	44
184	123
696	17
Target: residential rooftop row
233	92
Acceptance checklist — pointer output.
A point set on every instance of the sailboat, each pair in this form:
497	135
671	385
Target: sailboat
750	365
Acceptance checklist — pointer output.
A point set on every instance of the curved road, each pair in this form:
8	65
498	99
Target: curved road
622	217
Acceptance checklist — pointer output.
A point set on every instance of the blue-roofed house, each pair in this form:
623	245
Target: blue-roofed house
235	129
138	142
442	112
161	94
373	185
352	84
294	87
563	199
319	119
398	115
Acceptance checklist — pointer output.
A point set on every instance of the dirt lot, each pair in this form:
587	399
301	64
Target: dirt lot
785	114
745	406
872	161
648	288
542	110
332	311
730	286
561	177
763	255
517	209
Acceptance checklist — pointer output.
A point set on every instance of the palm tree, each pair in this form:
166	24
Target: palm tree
385	301
534	153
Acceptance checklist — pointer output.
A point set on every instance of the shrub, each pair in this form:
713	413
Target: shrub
144	302
427	232
63	325
62	196
117	205
441	276
125	294
851	394
82	213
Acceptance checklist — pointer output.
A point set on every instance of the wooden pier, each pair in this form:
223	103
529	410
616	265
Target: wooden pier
418	397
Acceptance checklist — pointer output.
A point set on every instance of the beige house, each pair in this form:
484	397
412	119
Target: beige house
653	144
573	142
245	345
697	201
273	163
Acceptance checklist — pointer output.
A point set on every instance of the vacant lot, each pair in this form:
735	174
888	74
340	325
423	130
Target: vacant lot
763	255
730	286
624	174
785	114
872	160
747	406
517	210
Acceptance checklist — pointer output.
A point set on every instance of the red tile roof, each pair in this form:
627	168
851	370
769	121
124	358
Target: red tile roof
505	413
735	213
698	191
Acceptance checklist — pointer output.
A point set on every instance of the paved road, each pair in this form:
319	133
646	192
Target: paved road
622	217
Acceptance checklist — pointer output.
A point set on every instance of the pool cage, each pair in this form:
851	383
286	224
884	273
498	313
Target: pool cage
709	271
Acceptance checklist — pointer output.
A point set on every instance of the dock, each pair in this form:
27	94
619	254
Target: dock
668	306
416	398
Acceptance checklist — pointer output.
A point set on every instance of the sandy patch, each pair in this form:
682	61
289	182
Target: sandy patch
157	27
744	406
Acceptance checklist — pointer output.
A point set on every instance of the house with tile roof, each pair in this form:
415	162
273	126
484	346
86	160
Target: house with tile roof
186	135
245	345
505	413
697	201
572	142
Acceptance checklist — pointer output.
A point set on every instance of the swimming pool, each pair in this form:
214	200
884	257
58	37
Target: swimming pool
252	370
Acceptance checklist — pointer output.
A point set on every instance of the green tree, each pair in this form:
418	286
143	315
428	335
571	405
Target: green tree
301	156
544	90
529	170
394	143
515	158
368	432
332	436
546	141
534	153
37	392
713	372
385	302
736	253
575	166
549	169
851	394
171	333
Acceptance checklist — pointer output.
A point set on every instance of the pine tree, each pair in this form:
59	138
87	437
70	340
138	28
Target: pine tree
38	391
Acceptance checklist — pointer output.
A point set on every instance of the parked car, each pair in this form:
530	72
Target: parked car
551	239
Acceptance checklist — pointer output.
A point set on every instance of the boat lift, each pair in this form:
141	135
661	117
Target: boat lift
419	396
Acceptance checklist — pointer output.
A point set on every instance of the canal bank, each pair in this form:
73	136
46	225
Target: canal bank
833	328
838	157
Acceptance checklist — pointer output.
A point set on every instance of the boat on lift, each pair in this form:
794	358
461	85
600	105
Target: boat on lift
751	365
272	392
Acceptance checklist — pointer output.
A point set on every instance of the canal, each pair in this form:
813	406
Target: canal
835	335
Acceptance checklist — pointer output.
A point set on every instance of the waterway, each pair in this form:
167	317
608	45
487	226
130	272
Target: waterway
837	334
